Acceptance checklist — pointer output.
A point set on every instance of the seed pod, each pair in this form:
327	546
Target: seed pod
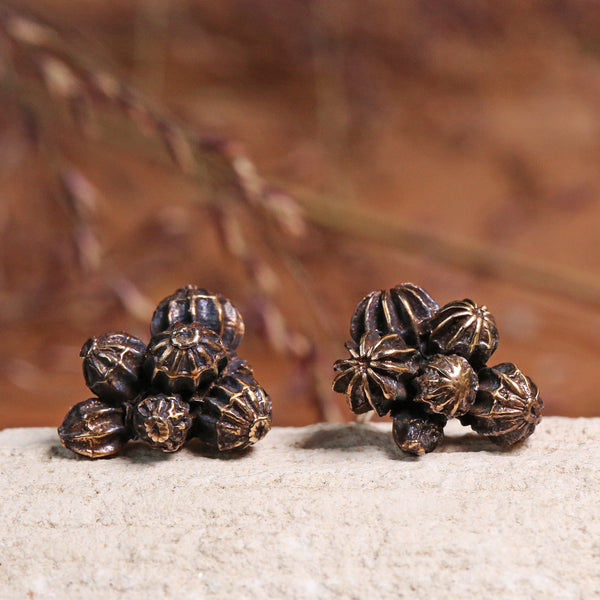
416	431
507	407
195	305
162	421
94	428
237	366
461	327
235	413
184	357
446	385
374	375
112	365
405	309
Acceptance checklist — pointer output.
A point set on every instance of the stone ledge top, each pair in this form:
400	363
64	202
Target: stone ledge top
326	511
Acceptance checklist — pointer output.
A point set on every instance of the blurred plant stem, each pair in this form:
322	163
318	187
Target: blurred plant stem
347	219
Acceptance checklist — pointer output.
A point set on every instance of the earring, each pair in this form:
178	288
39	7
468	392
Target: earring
187	383
424	365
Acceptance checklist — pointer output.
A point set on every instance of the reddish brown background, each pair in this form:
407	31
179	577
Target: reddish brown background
472	125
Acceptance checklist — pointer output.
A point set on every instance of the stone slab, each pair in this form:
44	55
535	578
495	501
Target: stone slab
327	511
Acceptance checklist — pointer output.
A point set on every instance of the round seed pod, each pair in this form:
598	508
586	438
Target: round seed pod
94	428
461	327
446	385
237	366
183	358
112	365
375	374
162	421
195	305
507	407
235	413
415	430
405	309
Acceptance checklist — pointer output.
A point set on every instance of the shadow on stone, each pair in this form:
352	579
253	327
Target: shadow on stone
133	452
196	447
470	442
141	454
57	451
352	438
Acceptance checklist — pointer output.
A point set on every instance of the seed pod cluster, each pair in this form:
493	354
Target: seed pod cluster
186	383
424	364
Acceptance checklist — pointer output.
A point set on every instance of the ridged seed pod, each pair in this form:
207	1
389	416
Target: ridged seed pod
415	430
461	327
184	357
235	413
237	366
112	365
374	375
94	428
162	421
195	305
507	407
405	309
446	385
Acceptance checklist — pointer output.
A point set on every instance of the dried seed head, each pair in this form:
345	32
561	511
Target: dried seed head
447	385
415	430
162	421
405	309
195	305
237	366
94	428
507	407
112	366
461	327
374	375
235	413
184	357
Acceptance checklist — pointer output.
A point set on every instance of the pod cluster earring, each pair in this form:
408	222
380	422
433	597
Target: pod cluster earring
187	383
424	365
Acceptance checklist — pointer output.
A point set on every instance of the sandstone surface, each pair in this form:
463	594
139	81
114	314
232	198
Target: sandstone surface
326	511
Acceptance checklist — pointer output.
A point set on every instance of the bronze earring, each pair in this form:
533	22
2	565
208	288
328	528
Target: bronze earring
187	383
424	364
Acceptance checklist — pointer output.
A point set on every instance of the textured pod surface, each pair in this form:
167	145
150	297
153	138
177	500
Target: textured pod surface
112	365
235	413
184	357
405	309
94	428
446	385
196	305
461	327
374	375
415	430
237	366
162	421
507	407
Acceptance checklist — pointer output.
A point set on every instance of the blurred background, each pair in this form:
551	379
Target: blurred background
295	155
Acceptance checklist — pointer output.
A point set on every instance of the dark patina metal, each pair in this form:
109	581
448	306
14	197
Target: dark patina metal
416	431
507	408
184	357
162	421
112	365
149	393
191	304
94	428
426	364
235	412
373	377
